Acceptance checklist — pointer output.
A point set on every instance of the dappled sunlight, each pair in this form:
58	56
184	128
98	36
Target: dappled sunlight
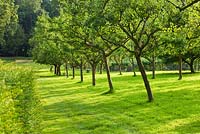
170	126
55	126
174	88
75	107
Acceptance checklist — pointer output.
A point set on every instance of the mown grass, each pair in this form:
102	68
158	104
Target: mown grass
71	107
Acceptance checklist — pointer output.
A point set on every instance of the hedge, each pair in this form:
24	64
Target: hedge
20	106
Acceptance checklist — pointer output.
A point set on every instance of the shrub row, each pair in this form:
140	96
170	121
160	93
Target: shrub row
20	106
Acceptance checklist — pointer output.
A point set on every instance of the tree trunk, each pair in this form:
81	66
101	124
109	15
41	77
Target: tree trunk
111	89
73	71
120	69
197	65
51	68
192	66
133	67
66	70
101	68
58	70
153	67
81	70
93	74
144	76
55	69
180	67
190	63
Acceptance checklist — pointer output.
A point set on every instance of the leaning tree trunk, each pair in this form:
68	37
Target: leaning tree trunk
111	89
93	74
180	67
144	76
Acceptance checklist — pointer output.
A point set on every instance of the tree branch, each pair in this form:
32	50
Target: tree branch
173	4
190	4
142	30
128	34
183	7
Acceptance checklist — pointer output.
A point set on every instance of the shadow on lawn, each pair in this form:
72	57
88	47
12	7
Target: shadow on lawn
80	107
88	112
49	76
174	74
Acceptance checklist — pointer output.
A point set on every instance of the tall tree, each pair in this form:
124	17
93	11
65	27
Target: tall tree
28	12
139	21
48	46
8	18
14	42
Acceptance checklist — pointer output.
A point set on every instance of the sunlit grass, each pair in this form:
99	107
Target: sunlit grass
71	107
79	108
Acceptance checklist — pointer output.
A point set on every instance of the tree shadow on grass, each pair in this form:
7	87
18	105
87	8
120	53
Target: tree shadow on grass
79	112
80	108
41	71
49	76
174	74
82	115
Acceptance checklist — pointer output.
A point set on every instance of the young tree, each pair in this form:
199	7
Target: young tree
118	56
93	58
180	35
79	29
48	45
193	37
139	22
152	52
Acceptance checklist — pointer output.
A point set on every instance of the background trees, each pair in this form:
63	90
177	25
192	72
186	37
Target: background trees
67	32
8	19
96	29
20	16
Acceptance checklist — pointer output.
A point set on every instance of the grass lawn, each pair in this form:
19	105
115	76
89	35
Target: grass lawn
71	107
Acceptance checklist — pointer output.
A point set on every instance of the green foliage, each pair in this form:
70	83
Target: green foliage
47	48
20	106
51	6
182	32
14	42
8	17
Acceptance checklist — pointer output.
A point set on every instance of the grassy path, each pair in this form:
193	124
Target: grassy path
71	107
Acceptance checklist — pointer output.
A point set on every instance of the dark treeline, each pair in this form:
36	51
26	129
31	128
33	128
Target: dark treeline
15	39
